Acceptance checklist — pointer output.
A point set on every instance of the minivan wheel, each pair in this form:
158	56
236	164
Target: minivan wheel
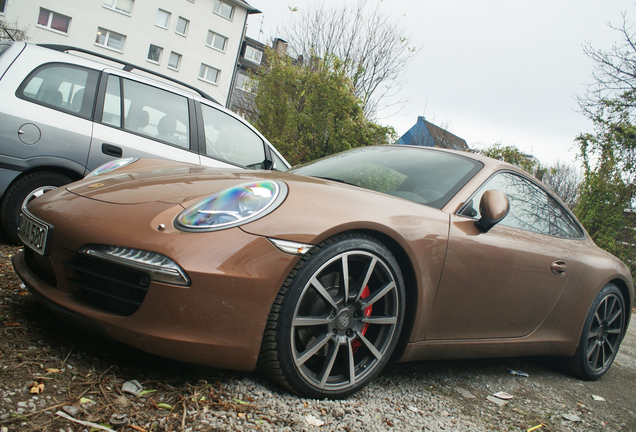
21	192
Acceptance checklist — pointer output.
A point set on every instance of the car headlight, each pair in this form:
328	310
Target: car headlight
111	166
233	207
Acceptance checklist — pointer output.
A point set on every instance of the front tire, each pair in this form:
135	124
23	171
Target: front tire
336	320
21	193
602	335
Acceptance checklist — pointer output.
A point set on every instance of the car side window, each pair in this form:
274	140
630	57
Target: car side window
531	207
562	224
63	87
277	162
147	111
529	204
228	139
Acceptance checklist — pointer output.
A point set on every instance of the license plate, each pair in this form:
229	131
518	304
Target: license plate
34	233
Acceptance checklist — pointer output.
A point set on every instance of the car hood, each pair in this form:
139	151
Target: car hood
162	181
313	207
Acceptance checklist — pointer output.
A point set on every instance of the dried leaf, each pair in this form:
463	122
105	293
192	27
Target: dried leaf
239	401
164	406
12	324
53	370
146	392
36	388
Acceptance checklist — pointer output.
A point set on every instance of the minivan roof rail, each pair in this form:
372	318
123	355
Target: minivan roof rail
128	67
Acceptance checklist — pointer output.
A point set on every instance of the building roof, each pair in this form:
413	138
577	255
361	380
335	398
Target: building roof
425	133
246	5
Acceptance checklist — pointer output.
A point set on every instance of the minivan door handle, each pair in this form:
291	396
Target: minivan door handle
112	150
559	267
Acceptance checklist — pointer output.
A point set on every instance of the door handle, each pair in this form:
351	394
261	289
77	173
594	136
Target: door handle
112	150
559	267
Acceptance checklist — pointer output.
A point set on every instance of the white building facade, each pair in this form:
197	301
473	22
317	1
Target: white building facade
195	41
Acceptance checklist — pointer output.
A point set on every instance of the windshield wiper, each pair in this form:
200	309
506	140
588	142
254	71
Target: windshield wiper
336	180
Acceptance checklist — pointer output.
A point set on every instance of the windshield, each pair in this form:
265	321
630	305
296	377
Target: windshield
418	174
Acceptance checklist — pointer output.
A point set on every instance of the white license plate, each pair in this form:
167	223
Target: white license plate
34	233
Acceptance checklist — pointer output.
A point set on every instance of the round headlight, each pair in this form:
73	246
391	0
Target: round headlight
233	207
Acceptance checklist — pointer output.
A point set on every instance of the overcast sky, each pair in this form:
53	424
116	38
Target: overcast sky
491	71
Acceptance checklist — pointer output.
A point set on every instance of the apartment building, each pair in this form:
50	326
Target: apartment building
194	41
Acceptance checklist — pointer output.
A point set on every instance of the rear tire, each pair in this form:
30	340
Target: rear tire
21	192
601	337
336	320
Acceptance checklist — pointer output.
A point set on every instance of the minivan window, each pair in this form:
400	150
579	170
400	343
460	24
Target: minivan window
228	139
63	87
148	111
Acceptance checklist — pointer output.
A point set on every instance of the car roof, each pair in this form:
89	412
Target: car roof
98	58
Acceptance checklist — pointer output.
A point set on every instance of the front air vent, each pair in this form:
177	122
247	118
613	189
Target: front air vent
108	286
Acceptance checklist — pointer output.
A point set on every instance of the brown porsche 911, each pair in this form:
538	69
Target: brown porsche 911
321	275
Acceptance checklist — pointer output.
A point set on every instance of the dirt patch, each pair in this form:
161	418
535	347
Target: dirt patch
54	376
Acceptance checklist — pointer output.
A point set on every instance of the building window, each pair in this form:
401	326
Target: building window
245	83
209	74
182	26
154	53
110	39
53	21
174	62
3	6
252	54
216	41
163	18
223	9
123	6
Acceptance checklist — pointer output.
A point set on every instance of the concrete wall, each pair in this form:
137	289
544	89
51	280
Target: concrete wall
140	31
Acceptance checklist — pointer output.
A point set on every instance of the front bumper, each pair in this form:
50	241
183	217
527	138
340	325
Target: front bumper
217	321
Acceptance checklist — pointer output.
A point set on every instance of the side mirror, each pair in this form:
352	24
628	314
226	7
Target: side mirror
493	207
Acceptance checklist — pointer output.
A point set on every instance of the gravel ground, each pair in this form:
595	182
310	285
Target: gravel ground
53	377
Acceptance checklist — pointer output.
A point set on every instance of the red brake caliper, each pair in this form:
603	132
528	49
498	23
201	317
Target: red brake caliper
355	344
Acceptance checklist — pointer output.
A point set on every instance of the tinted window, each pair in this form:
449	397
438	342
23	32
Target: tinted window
561	223
148	111
421	175
63	87
228	139
531	208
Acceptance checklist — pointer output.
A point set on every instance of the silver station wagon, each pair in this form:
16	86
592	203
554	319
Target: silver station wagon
66	111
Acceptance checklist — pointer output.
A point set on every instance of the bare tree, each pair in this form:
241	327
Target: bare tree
614	73
372	45
565	180
11	31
